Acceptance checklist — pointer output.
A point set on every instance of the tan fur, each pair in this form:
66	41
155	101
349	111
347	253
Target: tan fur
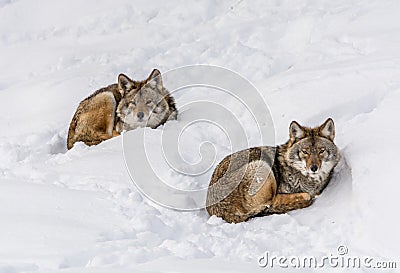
94	119
283	203
266	180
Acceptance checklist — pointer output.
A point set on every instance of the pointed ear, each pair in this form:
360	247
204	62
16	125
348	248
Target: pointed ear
296	131
328	129
155	79
124	84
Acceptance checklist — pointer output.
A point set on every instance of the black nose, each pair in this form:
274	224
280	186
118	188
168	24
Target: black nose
140	115
314	168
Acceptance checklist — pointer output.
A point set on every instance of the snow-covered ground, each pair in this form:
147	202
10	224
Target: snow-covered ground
78	210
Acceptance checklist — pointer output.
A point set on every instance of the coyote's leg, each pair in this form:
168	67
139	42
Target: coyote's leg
115	133
283	202
96	138
236	218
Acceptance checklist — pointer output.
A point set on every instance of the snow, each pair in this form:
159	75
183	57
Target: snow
79	211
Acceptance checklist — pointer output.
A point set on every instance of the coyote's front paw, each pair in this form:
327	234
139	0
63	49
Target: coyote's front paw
303	199
286	202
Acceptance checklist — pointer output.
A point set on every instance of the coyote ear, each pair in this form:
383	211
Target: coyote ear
296	131
328	129
124	84
155	79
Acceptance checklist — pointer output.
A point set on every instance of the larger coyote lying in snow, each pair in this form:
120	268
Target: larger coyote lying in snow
119	107
266	180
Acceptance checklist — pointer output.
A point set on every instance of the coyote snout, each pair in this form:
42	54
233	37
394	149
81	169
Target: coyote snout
140	116
312	159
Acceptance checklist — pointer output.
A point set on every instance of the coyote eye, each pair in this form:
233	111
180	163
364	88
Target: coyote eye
322	151
148	102
304	151
133	103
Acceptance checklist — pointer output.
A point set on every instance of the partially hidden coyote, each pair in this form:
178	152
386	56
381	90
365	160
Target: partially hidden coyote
266	180
119	107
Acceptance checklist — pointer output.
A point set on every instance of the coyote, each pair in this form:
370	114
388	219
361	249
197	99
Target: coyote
266	180
125	105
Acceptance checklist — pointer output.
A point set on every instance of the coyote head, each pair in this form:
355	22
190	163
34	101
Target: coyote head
311	150
145	105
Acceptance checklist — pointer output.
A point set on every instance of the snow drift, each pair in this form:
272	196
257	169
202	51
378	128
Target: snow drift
78	211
